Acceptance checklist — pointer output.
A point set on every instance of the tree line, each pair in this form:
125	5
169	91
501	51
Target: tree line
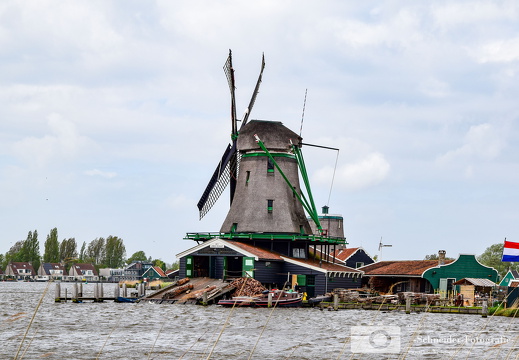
101	252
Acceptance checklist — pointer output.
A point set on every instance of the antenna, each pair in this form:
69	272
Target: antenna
303	116
380	246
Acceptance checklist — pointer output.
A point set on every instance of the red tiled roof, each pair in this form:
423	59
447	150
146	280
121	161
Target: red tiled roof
256	251
159	271
343	254
404	267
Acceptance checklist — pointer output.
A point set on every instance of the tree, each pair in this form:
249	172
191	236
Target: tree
492	257
52	253
31	250
161	264
68	250
3	262
115	252
138	256
96	251
82	253
15	253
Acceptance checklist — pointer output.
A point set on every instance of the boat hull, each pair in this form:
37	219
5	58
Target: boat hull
285	300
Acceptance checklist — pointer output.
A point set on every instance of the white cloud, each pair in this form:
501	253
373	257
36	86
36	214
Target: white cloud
105	174
481	142
366	172
63	143
498	51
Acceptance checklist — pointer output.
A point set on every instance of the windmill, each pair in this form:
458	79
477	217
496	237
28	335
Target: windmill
263	164
227	170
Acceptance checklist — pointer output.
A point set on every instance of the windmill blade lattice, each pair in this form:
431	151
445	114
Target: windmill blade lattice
229	164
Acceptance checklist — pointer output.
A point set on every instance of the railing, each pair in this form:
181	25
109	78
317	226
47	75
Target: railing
252	236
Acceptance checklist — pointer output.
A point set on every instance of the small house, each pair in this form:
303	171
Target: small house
136	269
227	259
426	275
510	277
154	273
52	271
472	291
20	271
83	272
353	257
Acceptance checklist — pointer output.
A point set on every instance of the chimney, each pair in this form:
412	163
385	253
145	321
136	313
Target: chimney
441	257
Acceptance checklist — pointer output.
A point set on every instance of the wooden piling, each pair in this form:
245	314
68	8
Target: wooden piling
65	294
408	304
80	294
116	291
484	309
74	293
336	302
204	298
57	292
101	292
125	291
269	300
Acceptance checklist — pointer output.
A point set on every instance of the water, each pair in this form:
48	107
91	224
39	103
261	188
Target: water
150	331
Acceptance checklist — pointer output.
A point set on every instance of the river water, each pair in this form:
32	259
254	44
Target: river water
34	329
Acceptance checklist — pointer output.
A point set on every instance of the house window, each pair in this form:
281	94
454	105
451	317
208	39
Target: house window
299	253
234	227
359	264
270	165
270	205
247	178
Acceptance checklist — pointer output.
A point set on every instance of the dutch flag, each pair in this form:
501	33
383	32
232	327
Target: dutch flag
511	251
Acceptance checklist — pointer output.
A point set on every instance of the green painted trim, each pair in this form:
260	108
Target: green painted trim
331	217
290	156
252	236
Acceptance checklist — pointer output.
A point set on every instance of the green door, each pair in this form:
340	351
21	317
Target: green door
248	267
189	266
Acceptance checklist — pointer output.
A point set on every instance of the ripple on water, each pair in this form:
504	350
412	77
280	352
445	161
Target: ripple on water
132	331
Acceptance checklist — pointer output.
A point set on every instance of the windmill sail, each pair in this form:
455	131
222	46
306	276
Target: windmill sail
227	170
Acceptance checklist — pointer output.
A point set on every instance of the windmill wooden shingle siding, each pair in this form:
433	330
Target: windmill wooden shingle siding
257	186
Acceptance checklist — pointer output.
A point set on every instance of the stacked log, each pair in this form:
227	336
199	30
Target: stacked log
247	287
177	291
182	281
199	293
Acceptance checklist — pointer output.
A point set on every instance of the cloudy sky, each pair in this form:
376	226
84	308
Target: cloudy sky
114	115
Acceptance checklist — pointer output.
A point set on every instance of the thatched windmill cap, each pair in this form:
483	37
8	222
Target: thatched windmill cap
273	134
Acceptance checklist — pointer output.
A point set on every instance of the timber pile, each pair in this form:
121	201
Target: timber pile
354	296
177	291
418	298
199	293
247	287
182	281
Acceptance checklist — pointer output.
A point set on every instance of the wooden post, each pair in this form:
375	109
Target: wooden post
484	309
96	294
57	293
101	292
335	301
125	291
204	298
74	293
408	304
116	291
65	294
80	290
269	299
